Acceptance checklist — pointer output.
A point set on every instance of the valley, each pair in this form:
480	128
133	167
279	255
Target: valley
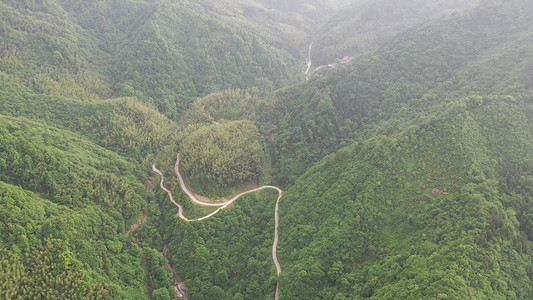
398	133
222	205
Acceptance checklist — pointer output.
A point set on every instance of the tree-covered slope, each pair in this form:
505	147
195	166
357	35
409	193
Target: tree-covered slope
72	189
223	155
41	236
229	255
75	199
406	173
163	52
435	208
431	200
75	167
483	50
365	26
124	125
44	49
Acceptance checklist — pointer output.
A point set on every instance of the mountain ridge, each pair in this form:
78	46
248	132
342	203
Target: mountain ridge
406	172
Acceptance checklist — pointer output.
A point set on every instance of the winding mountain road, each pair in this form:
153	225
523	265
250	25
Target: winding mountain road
309	63
223	205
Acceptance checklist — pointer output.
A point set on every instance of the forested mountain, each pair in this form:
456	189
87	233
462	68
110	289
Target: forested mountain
436	209
315	9
83	87
65	205
430	201
163	52
365	26
452	57
407	173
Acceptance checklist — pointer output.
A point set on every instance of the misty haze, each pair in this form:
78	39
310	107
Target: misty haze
266	149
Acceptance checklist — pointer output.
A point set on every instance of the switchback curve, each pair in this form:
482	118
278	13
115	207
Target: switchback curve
223	205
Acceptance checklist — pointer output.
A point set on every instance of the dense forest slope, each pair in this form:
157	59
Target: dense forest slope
365	26
406	173
463	54
164	52
428	198
73	199
124	125
437	208
432	198
73	184
83	85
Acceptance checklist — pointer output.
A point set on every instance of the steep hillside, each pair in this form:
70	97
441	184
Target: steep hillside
73	199
428	197
465	53
163	52
227	256
45	50
365	26
221	155
72	186
124	125
434	208
406	173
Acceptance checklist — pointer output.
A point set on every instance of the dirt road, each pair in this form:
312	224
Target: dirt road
223	205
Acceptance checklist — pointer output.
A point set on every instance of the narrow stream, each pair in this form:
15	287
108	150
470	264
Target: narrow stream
182	292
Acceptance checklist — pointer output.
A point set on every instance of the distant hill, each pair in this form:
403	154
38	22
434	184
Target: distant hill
365	26
456	56
163	52
430	200
314	9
